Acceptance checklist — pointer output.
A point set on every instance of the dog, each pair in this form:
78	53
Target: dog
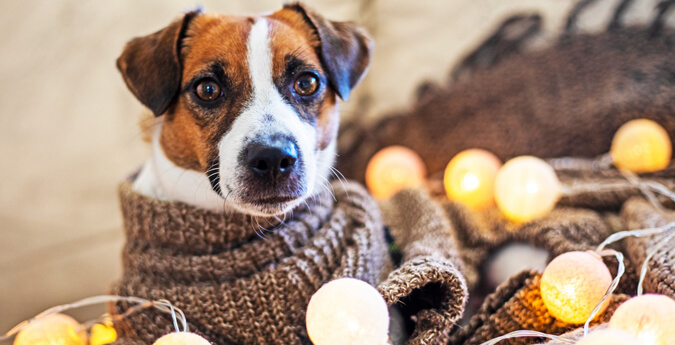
247	106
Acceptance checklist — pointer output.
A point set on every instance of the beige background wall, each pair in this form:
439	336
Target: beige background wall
68	126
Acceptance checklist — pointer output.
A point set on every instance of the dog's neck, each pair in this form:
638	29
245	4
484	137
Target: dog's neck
161	179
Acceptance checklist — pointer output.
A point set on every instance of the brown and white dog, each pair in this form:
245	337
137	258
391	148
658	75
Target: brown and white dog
248	106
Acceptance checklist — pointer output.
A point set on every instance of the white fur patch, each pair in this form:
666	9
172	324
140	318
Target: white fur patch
161	179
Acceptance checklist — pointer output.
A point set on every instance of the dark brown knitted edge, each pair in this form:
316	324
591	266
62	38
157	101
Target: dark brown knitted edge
437	288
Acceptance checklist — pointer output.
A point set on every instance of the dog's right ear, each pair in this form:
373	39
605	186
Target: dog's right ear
151	65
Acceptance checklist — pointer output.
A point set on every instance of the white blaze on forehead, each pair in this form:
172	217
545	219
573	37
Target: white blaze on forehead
265	114
259	57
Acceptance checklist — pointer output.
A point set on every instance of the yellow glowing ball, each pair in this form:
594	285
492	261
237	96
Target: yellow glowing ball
470	178
609	337
55	329
392	169
641	146
573	284
650	318
347	311
526	188
181	338
102	334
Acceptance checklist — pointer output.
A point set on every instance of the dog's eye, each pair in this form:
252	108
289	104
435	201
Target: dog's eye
208	90
306	84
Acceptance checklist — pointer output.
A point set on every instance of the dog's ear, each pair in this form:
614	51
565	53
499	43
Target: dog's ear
345	49
151	65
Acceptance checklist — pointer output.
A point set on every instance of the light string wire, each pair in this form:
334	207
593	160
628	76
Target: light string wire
648	188
162	305
524	333
619	273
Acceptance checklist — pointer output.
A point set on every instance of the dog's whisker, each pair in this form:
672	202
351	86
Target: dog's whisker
257	220
308	208
254	228
342	180
328	187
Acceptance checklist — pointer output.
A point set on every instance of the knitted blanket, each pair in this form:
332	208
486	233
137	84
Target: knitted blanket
243	280
565	100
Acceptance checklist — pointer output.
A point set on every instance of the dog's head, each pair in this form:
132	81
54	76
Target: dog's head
251	102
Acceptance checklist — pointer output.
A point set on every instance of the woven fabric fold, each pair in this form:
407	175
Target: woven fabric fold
480	233
239	279
429	286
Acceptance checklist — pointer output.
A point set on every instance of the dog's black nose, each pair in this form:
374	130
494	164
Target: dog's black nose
275	160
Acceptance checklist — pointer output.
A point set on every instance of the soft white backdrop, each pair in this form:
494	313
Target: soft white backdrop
69	127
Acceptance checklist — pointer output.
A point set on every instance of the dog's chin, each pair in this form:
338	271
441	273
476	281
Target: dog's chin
268	207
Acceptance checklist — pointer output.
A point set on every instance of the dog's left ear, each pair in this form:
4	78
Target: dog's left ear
345	49
151	65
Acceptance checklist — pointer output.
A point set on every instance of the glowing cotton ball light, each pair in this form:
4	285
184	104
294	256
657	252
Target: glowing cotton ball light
641	146
182	338
55	329
526	188
470	177
347	311
650	318
609	337
392	169
573	284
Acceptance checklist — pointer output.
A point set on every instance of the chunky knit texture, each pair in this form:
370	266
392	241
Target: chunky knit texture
240	284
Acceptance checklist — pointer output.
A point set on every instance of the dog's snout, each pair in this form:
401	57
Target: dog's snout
272	160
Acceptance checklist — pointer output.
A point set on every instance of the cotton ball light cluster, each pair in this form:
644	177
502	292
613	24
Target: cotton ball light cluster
54	329
650	318
347	311
573	284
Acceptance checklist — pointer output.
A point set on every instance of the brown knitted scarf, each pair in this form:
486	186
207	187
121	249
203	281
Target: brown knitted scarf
240	284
